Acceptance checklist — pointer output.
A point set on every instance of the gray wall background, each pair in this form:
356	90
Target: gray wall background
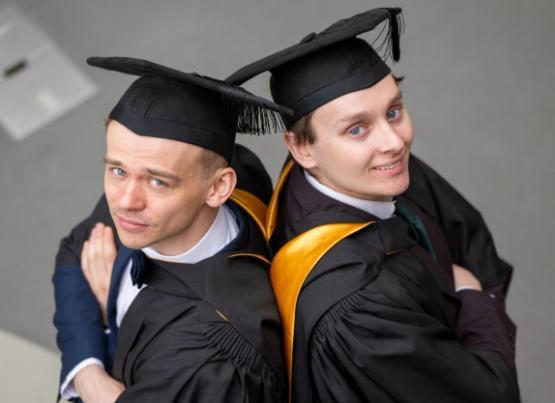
478	84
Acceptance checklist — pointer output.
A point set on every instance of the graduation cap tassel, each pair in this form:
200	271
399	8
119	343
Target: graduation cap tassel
381	42
386	43
248	115
396	24
258	119
229	113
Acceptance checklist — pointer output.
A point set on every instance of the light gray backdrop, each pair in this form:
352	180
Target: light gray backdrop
478	84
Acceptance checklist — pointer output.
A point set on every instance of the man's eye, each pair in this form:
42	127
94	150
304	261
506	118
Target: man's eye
394	113
355	131
118	171
157	183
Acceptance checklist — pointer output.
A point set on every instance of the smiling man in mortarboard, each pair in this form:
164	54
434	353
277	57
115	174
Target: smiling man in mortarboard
188	300
387	280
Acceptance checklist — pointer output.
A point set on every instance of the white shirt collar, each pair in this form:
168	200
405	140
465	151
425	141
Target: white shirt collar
223	230
380	209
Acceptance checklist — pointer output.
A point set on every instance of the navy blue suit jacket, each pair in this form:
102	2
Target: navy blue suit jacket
81	333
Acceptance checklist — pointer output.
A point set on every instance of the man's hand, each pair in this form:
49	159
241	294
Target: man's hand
465	279
97	260
94	385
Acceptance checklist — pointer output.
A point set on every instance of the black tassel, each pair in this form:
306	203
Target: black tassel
381	44
247	115
396	24
386	43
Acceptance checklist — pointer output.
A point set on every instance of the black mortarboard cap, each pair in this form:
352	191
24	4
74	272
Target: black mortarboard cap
326	65
188	107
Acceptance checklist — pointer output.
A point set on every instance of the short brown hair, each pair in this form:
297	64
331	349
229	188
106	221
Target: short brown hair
210	162
302	130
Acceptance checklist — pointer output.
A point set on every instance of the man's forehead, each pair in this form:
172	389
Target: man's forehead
377	97
150	153
174	171
121	135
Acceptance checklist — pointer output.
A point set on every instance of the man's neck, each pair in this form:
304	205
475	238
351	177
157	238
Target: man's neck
180	243
222	229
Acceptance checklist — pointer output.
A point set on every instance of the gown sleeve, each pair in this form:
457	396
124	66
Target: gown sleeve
374	347
470	242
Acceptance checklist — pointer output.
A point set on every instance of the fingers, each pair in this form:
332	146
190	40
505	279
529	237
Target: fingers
96	249
464	278
97	259
84	257
91	269
108	248
457	267
99	252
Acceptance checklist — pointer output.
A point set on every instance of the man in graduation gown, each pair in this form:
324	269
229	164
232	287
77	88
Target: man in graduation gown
187	312
387	292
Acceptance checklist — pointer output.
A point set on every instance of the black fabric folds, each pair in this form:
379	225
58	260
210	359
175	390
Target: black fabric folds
205	332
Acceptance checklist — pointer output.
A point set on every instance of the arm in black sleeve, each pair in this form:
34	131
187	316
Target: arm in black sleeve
469	239
483	323
370	347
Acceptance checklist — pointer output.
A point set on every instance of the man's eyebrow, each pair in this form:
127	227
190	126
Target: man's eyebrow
353	116
110	161
398	97
167	175
151	171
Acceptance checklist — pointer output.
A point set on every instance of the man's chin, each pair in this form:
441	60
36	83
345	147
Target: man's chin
132	242
387	192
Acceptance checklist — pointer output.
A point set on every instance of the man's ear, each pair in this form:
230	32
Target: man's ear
300	151
223	184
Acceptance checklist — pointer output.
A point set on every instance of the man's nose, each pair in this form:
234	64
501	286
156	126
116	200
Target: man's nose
132	198
389	140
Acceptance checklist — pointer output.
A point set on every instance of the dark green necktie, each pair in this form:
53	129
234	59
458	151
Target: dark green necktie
416	226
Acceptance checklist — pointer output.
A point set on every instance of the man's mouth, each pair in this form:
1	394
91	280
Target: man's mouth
129	224
389	166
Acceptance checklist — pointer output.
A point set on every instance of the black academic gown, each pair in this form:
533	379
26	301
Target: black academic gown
468	238
204	332
377	319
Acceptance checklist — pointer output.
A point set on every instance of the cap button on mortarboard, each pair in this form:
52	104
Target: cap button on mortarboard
308	38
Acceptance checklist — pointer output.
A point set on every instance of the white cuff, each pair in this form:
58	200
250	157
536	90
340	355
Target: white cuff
67	390
466	287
